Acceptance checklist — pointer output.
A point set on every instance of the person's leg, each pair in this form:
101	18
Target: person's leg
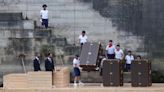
46	23
42	22
113	56
75	81
81	45
128	67
108	56
75	77
79	79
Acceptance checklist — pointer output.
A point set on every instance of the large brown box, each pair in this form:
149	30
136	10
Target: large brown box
89	56
39	79
61	77
13	81
112	73
141	73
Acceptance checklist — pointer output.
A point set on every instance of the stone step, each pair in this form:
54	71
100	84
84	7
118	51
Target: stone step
127	77
10	17
42	33
9	2
51	7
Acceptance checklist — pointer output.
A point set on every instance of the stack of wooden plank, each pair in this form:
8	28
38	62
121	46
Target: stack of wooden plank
39	79
13	81
61	77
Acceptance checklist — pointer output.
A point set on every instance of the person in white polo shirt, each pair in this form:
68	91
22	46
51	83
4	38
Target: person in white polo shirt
44	16
83	38
110	50
129	58
119	54
76	69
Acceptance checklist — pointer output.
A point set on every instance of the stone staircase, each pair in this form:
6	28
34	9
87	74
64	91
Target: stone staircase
70	17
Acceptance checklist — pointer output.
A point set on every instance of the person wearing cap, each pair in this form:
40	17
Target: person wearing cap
129	59
110	50
44	16
76	70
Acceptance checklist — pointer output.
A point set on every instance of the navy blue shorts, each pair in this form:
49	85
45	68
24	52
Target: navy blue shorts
45	22
111	56
128	66
76	71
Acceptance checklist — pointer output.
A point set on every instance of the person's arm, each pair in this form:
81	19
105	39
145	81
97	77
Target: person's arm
41	14
132	58
86	38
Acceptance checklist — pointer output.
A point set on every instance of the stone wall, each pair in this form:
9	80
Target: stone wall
70	17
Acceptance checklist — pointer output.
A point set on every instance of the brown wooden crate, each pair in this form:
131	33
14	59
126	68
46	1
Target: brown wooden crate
15	81
40	79
61	77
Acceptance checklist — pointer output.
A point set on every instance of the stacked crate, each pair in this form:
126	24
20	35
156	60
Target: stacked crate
141	73
112	73
14	81
61	77
39	79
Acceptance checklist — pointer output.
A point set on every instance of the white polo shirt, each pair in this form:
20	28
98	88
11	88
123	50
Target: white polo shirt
83	39
119	54
129	59
110	50
76	62
44	14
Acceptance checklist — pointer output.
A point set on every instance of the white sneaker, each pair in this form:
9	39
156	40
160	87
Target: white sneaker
97	68
75	85
80	83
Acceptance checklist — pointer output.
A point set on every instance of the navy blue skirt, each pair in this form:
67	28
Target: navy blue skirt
76	71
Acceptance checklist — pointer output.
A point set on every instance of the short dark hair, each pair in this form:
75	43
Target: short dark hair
48	54
76	55
129	51
110	40
83	31
118	45
139	56
44	5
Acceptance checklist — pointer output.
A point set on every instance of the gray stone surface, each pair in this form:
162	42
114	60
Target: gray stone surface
70	17
28	24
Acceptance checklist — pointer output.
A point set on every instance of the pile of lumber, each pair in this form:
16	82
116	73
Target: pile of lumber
61	77
39	79
15	81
